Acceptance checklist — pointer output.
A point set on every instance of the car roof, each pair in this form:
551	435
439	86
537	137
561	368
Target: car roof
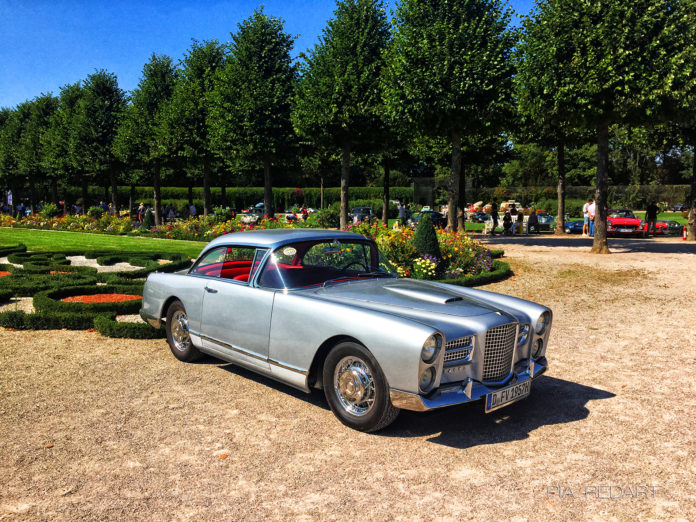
279	236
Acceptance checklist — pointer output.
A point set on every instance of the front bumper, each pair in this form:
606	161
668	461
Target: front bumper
462	393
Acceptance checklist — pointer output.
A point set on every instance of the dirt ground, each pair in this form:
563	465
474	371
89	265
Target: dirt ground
99	428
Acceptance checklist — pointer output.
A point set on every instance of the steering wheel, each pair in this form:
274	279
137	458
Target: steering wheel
355	263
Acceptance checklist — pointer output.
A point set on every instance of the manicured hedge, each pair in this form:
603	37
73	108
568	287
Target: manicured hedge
501	270
46	320
9	249
107	325
5	295
497	253
50	300
20	284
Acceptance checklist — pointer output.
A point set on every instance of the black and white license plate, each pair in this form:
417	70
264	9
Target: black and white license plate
503	397
627	230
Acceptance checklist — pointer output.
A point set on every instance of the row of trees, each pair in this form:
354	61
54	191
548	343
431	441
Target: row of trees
444	82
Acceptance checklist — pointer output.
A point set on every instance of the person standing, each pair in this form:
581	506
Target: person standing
494	215
591	210
402	214
141	213
651	217
586	218
192	210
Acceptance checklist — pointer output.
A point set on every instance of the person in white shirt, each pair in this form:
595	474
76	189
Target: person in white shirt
591	211
586	218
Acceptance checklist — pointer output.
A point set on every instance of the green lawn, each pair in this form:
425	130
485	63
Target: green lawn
44	240
674	216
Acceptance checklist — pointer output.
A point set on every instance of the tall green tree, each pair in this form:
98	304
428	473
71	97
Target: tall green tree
251	103
185	121
338	95
141	140
451	73
619	59
100	109
30	161
58	144
10	132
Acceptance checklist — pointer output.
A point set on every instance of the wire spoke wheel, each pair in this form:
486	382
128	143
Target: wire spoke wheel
354	386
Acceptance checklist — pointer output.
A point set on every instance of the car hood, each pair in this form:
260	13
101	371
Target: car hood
418	300
624	221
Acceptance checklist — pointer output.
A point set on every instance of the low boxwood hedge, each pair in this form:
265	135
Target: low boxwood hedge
107	325
46	320
50	300
26	285
500	270
9	249
5	295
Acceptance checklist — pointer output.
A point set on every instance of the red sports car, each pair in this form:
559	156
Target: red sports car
622	222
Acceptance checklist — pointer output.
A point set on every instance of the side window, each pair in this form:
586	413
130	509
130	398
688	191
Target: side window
239	264
211	263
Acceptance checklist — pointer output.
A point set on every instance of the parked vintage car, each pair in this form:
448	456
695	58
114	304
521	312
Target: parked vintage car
573	227
360	214
622	222
545	220
437	218
320	309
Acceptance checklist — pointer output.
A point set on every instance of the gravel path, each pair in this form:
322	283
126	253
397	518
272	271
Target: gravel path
106	428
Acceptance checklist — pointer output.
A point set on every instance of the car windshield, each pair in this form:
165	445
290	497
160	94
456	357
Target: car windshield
621	214
327	261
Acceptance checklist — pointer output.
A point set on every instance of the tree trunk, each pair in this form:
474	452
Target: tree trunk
54	191
560	219
453	183
131	199
385	193
692	204
267	189
206	187
114	189
600	246
321	194
461	203
156	194
345	183
190	191
85	195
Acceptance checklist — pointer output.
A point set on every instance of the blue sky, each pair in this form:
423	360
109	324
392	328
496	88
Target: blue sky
45	44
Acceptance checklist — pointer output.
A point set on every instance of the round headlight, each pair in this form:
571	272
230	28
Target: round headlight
426	379
542	323
431	348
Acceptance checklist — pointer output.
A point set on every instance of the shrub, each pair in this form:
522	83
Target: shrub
107	325
221	214
50	300
95	212
9	249
425	239
49	210
327	218
46	320
149	219
500	270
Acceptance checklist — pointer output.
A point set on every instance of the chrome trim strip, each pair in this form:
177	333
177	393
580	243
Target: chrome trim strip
288	367
251	354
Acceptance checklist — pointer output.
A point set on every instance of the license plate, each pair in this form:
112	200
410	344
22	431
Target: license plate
503	397
625	230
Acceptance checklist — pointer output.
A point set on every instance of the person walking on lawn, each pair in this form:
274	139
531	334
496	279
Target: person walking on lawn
651	217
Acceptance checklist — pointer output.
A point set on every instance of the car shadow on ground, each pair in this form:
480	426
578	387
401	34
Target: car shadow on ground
669	245
552	401
316	398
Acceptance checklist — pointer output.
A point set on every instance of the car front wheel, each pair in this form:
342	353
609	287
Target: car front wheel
178	335
356	389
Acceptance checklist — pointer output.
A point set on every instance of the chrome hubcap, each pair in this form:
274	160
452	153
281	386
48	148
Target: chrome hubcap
354	386
180	331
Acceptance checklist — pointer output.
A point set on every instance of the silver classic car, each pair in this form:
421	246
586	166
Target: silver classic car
321	309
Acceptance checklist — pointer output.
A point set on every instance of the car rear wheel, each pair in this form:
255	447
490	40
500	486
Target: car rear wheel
178	335
356	389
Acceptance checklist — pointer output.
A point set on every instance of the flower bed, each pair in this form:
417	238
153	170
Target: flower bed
101	298
54	300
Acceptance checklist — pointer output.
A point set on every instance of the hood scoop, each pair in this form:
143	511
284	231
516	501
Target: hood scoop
431	295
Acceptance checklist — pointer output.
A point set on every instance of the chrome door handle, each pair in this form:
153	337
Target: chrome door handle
210	290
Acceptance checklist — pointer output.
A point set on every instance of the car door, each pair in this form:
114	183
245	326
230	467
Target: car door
236	317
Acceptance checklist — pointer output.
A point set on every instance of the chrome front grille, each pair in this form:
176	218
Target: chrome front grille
497	353
458	349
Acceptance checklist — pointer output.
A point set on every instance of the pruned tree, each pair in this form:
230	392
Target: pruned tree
98	116
451	74
140	142
184	125
249	118
617	61
338	95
